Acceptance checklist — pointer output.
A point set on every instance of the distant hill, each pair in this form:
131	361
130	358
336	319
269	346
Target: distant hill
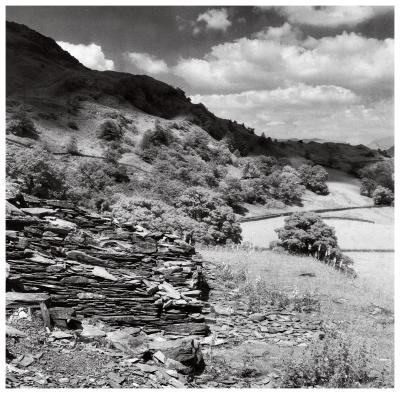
382	143
51	82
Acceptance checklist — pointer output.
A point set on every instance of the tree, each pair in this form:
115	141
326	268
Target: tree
314	178
367	187
22	126
381	172
383	196
110	130
208	207
286	185
305	232
38	172
72	146
231	191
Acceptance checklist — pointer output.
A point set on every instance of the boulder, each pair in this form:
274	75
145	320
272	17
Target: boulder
186	351
126	341
257	317
91	332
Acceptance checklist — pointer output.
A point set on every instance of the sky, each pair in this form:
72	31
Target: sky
289	72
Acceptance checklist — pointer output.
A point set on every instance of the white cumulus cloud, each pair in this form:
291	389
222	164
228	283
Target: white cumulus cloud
215	19
277	57
91	56
330	16
147	62
304	111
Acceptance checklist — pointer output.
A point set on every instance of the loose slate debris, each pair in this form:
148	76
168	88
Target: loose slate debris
88	264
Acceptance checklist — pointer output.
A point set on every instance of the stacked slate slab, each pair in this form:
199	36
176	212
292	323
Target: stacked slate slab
93	266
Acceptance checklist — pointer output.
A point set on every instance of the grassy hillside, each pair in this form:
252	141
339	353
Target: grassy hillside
360	308
43	76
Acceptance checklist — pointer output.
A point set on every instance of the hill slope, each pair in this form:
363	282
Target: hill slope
45	77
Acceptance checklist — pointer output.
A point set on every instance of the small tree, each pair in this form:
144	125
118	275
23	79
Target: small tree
110	130
314	178
38	172
383	196
367	187
22	126
72	146
305	232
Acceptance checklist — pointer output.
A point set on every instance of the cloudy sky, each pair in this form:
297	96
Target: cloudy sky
305	72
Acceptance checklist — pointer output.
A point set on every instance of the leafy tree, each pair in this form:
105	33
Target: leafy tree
158	216
383	196
72	146
314	178
231	191
368	186
208	207
305	232
22	125
38	172
110	130
286	185
381	172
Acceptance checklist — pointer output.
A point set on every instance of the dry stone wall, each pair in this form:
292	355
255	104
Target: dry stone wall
93	266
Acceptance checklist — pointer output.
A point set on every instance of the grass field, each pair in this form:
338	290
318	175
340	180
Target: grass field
342	299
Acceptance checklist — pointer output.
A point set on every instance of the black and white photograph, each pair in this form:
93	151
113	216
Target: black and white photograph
199	196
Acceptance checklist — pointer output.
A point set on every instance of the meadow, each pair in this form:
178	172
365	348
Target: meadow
361	307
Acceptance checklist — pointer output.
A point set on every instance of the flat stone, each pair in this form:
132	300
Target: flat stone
103	273
14	332
171	292
257	317
147	368
61	335
90	331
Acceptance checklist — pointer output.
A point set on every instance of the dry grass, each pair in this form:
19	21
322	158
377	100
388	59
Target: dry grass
348	302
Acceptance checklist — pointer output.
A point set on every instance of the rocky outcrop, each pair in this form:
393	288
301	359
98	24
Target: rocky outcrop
93	266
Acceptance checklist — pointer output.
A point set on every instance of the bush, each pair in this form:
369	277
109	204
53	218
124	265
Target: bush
382	173
156	215
73	125
286	185
314	178
383	196
367	187
207	207
305	233
336	362
72	146
232	192
157	137
22	126
38	172
110	130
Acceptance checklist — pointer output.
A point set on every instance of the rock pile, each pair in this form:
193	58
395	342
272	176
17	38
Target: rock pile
92	266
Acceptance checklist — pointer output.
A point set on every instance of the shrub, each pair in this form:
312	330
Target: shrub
22	126
207	207
305	233
38	172
286	185
73	125
335	362
158	216
383	196
72	146
110	130
231	191
381	172
367	187
157	137
314	178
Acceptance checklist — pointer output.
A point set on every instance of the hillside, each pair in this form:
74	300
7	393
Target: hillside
51	83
